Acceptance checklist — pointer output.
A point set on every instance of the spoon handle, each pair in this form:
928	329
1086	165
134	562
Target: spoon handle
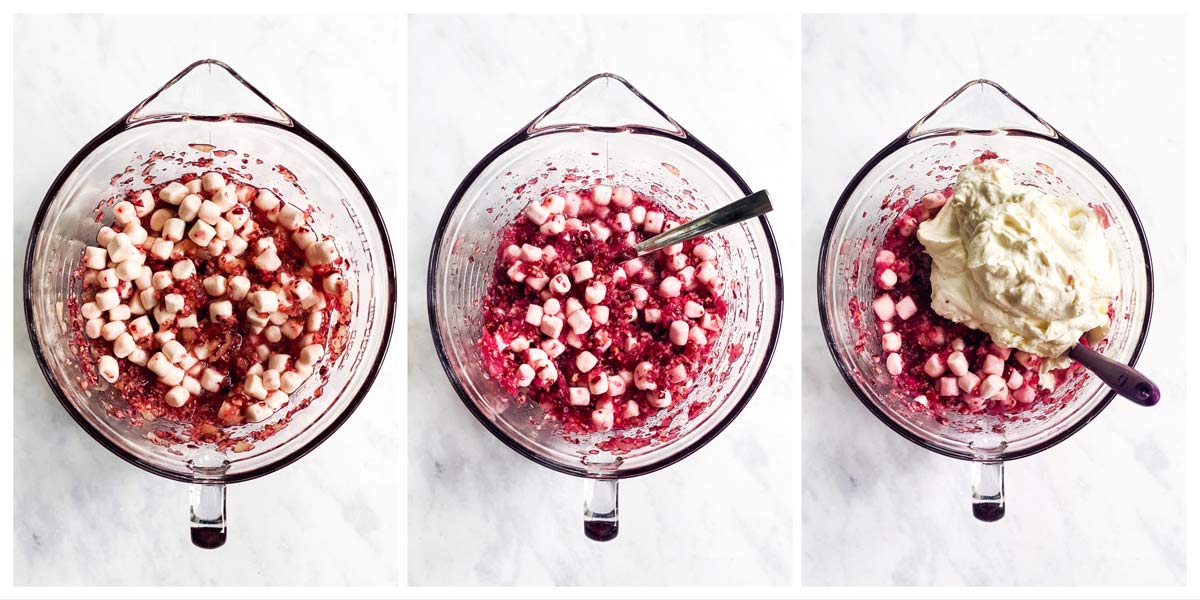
1122	378
754	205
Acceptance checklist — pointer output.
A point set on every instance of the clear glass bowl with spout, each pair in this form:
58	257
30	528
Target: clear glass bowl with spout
604	129
209	118
981	116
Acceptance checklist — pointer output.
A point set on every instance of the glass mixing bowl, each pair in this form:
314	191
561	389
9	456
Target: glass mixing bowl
209	118
603	129
980	116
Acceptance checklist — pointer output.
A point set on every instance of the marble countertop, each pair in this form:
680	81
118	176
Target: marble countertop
1107	506
479	513
83	516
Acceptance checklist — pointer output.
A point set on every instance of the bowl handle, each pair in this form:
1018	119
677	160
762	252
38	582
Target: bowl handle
207	502
987	490
600	509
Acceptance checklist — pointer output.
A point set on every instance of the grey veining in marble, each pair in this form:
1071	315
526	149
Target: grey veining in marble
1108	505
83	516
478	512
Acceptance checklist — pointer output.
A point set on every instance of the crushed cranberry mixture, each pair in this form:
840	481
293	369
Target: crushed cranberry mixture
941	364
599	342
208	301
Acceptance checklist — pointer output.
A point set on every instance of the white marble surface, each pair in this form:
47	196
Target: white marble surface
478	512
83	516
1107	506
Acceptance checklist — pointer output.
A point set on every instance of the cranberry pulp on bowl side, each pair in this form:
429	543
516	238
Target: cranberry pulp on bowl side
599	342
208	302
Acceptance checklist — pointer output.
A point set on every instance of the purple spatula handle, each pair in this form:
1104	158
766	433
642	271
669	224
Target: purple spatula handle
1122	378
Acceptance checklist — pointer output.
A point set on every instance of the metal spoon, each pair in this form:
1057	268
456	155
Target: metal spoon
754	205
1123	379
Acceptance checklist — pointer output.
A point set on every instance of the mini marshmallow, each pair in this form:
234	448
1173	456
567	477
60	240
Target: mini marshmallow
162	280
188	322
143	203
304	237
600	314
582	271
258	411
189	208
148	298
173	303
212	181
679	333
531	253
992	365
884	307
252	386
661	400
267	261
120	312
560	284
121	248
239	286
95	258
579	396
551	326
137	234
1015	381
595	292
585	361
265	301
215	285
109	370
555	225
173	351
323	252
124	345
93	327
580	322
236	245
89	310
220	310
670	287
551	306
105	235
991	387
315	320
958	363
311	354
693	309
112	330
108	278
887	279
895	364
552	347
129	270
290	381
290	217
202	234
654	222
266	200
906	308
890	342
183	269
935	366
162	248
107	299
533	314
173	193
598	383
173	229
537	213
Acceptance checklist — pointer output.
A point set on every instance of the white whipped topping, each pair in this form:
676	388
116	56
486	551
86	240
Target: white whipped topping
1032	270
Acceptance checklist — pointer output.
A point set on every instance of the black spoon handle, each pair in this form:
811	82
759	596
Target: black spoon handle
1122	378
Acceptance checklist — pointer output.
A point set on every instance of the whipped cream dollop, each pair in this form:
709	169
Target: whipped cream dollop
1031	270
